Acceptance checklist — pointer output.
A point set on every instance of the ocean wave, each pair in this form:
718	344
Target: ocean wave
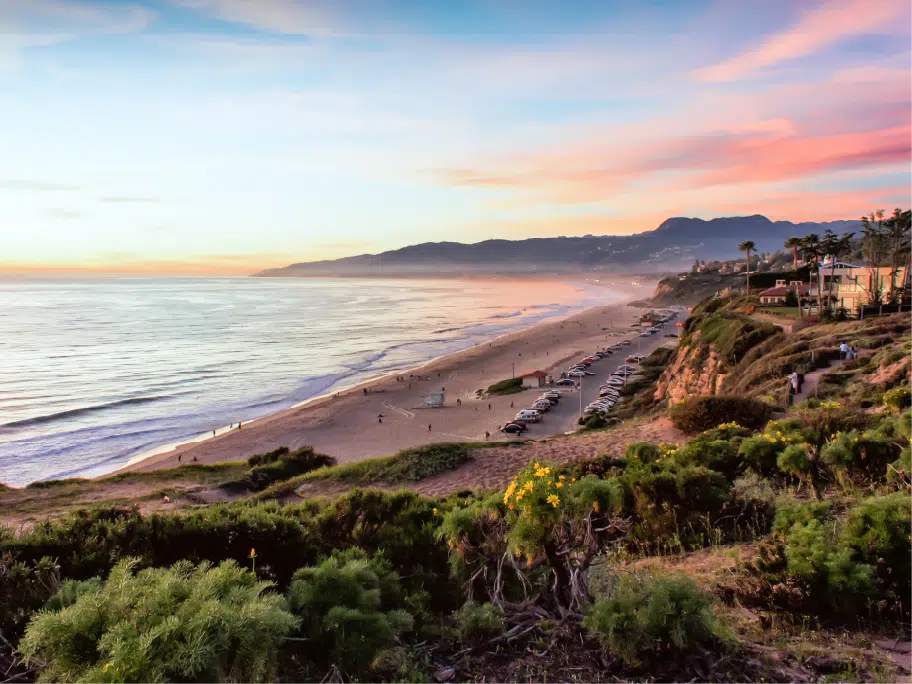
70	413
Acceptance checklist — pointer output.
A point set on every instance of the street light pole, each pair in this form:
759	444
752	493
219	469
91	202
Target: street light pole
581	397
514	368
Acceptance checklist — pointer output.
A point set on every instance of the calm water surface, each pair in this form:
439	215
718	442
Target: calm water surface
94	372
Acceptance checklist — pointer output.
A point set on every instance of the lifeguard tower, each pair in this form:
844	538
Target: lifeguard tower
434	400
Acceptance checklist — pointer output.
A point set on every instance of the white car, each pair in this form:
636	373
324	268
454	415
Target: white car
576	374
614	382
531	415
542	406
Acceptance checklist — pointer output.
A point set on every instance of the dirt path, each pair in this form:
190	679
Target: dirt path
812	380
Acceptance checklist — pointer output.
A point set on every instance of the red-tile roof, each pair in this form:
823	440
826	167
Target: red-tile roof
535	374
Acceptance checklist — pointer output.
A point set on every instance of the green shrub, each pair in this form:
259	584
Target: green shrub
799	512
345	607
479	619
278	465
593	421
700	413
760	453
511	386
897	399
858	453
676	508
268	457
660	616
642	453
184	623
718	455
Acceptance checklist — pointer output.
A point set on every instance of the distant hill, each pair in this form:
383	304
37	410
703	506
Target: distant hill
672	246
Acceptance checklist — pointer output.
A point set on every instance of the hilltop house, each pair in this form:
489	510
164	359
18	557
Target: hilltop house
855	285
777	294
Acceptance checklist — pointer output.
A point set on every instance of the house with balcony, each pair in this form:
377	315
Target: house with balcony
854	285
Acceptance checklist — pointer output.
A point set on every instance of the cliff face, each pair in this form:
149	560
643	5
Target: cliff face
695	369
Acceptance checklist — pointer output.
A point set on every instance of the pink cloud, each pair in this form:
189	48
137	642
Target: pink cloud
818	28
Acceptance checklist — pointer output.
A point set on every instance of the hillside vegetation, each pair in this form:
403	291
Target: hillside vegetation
772	544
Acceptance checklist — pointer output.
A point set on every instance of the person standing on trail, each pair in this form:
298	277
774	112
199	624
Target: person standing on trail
843	350
429	427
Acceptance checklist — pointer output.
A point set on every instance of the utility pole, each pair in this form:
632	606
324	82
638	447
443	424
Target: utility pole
581	397
514	368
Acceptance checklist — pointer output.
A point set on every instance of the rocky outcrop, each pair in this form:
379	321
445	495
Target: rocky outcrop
695	369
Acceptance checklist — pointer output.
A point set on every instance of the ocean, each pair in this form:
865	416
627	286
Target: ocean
94	373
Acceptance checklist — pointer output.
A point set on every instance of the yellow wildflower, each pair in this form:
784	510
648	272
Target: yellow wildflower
510	507
537	466
435	511
553	500
561	484
595	506
573	480
528	486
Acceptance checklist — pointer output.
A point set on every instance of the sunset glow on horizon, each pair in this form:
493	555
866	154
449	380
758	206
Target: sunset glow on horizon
221	137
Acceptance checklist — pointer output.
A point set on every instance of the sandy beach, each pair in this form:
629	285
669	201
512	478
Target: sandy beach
349	427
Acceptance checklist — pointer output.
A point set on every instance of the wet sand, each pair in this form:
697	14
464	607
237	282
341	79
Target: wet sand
348	427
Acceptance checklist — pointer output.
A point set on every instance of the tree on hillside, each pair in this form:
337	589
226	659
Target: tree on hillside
794	244
747	247
810	245
835	246
896	229
874	246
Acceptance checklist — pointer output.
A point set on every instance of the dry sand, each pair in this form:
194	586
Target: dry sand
347	426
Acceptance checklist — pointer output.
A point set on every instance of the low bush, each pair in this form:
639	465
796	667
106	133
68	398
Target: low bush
718	455
851	567
697	414
664	616
276	466
476	620
897	399
345	605
511	386
183	623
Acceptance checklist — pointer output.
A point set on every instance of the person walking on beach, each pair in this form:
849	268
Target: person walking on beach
429	427
179	456
487	436
213	433
489	407
380	418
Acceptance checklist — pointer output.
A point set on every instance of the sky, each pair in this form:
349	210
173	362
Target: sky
226	136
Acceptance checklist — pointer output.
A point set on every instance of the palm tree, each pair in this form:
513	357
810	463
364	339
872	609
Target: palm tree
794	244
747	247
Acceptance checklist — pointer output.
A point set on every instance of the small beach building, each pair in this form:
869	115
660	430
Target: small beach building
435	400
534	379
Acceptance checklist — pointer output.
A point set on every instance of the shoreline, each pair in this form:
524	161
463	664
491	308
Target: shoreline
349	418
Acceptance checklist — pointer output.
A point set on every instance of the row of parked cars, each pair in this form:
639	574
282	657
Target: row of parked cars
532	414
581	368
610	390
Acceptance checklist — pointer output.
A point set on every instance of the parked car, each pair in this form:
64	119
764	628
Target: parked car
576	374
542	405
513	427
670	335
530	415
552	393
565	382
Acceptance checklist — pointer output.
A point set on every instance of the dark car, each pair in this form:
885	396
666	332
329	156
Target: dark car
513	427
670	335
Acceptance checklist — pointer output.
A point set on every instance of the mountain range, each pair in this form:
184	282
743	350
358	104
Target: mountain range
671	247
